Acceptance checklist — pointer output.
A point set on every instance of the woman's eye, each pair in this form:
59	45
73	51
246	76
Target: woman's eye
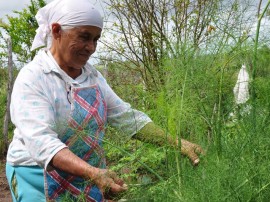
87	38
84	38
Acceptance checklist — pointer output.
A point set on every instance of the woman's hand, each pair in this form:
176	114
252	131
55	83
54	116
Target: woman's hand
108	182
154	134
191	150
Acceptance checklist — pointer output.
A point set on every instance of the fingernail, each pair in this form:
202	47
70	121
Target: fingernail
196	161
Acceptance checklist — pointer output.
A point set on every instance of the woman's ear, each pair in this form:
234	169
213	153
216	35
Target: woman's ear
56	30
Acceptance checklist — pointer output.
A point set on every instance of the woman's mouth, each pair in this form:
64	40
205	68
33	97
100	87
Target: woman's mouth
84	56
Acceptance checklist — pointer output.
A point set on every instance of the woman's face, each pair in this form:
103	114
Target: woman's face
73	48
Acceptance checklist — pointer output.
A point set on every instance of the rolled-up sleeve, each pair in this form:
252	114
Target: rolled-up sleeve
120	114
33	114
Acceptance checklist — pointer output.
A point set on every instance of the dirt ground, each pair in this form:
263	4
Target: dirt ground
5	195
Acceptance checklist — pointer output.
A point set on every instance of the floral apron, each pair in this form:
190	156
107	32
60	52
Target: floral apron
84	138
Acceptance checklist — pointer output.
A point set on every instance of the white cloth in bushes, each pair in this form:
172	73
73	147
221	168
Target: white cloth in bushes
241	88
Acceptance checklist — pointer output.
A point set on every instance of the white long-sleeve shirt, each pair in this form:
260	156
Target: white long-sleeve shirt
40	106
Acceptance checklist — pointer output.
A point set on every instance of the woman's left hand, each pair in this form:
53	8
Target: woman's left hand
192	151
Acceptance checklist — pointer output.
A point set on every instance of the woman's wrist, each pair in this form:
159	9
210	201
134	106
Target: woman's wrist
91	173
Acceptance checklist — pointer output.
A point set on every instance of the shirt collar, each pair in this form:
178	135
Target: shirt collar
49	65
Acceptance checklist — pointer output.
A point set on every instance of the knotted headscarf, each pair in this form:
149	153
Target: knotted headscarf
66	13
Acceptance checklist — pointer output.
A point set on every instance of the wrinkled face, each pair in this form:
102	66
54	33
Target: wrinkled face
77	45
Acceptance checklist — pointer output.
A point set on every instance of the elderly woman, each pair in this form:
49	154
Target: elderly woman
60	107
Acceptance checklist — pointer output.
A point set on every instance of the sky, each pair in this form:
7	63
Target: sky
8	6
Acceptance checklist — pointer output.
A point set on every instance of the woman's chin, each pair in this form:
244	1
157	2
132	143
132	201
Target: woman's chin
84	57
80	64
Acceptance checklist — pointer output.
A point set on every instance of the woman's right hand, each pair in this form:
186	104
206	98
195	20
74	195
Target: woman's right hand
108	181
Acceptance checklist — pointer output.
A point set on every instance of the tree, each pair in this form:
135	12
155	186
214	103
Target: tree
141	26
147	31
9	90
21	29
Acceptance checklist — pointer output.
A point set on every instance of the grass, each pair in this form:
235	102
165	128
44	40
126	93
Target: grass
238	172
196	102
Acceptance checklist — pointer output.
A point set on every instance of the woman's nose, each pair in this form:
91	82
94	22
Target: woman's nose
91	45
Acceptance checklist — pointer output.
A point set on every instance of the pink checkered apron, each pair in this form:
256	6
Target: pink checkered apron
84	138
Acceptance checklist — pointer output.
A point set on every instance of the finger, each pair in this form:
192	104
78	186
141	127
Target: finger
190	153
111	174
115	191
115	188
119	181
116	178
199	150
194	158
188	146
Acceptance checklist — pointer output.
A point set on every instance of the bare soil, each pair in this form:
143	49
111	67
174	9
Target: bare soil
5	195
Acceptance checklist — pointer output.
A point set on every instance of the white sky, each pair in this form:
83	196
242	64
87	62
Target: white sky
8	6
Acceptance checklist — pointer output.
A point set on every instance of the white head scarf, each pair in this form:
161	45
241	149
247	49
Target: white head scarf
71	13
